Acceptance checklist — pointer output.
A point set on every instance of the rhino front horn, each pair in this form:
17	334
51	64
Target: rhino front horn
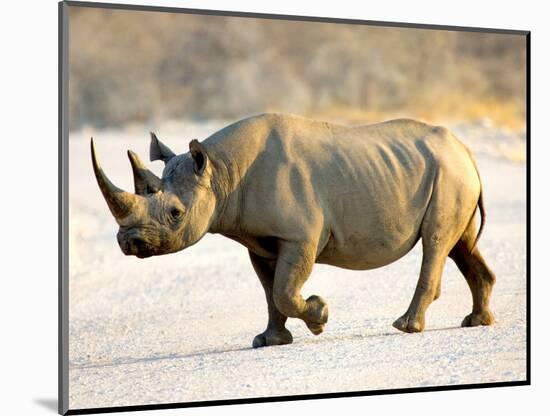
120	202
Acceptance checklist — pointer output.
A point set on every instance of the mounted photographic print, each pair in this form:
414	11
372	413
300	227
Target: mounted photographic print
265	208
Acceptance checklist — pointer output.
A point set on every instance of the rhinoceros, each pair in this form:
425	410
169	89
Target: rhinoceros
296	192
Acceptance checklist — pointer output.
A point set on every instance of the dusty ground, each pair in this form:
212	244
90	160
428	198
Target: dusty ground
179	328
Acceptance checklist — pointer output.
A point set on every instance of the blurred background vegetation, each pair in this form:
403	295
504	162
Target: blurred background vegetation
145	67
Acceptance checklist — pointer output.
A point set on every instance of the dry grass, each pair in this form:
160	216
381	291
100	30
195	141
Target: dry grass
454	108
208	67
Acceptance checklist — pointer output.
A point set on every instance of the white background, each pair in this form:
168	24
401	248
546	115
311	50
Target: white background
28	273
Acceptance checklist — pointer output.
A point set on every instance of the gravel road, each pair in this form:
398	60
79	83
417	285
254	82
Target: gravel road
179	328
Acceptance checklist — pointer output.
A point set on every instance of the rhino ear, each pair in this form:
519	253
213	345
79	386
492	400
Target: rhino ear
159	151
200	157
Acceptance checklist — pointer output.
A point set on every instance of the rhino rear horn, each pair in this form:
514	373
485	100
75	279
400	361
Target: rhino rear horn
159	151
120	202
145	181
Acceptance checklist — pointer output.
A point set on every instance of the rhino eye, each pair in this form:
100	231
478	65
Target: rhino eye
176	213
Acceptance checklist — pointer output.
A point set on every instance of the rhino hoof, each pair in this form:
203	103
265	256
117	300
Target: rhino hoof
316	329
271	337
406	324
319	317
476	319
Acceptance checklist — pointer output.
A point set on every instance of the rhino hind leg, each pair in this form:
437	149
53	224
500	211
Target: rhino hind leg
275	333
444	222
479	277
427	289
294	265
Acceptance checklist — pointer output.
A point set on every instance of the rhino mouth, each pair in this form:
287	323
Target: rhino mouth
142	249
136	247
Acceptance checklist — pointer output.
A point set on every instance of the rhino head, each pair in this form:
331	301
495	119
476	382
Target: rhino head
166	214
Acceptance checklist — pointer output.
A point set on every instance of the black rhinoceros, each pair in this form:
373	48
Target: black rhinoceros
296	192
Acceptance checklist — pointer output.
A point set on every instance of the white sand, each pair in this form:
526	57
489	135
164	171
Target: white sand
179	328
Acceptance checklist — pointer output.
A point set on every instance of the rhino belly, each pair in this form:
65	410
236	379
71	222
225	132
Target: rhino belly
362	252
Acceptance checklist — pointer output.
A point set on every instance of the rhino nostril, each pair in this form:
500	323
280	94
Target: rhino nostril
138	243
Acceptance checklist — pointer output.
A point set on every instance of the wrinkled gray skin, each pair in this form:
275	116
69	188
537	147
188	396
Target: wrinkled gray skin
296	192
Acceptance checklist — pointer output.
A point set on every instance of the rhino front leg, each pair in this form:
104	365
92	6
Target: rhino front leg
275	333
293	268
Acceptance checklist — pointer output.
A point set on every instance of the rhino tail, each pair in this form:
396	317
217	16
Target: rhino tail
482	214
479	204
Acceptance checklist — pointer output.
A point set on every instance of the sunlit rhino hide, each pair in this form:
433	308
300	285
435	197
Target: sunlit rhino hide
296	192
